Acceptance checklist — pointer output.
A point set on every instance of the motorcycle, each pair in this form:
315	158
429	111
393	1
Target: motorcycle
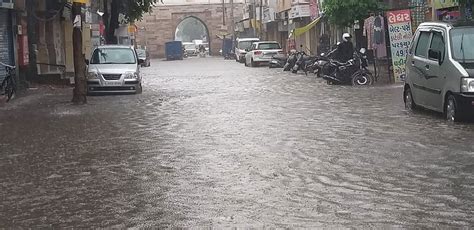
278	61
301	62
353	72
316	64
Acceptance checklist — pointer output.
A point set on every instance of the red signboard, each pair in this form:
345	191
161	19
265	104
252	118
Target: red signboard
23	54
398	16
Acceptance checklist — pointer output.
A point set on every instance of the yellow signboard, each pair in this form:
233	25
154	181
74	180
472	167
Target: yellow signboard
441	4
81	1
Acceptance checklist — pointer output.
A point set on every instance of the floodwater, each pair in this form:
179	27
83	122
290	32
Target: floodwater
211	143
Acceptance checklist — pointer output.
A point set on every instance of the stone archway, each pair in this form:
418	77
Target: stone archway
192	28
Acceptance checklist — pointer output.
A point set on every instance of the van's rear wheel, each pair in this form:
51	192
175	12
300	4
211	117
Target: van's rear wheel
451	110
408	98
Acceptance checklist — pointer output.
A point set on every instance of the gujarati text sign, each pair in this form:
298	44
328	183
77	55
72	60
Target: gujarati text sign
399	28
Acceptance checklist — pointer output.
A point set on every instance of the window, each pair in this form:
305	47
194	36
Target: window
461	43
437	43
268	46
253	47
245	44
422	45
113	56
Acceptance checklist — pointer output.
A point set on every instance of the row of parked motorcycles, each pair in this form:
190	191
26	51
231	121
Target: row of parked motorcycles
354	72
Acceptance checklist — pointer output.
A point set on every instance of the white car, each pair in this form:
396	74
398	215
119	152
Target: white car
242	45
114	69
262	52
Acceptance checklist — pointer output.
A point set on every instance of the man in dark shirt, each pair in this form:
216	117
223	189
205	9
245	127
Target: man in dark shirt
345	49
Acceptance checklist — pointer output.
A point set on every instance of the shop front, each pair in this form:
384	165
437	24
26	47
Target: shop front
6	38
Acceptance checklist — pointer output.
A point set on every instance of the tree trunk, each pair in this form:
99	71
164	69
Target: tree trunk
113	22
80	87
106	19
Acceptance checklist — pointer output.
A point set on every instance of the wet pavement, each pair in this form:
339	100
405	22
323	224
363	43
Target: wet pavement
211	143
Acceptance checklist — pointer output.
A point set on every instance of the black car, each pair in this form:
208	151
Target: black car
144	56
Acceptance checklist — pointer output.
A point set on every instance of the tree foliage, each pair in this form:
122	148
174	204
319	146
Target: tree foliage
133	10
345	12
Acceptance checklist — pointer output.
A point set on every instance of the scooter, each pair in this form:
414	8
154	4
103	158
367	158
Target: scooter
290	61
278	61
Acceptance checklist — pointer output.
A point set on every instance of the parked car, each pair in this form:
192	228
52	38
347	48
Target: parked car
114	69
262	52
144	57
190	48
440	69
242	45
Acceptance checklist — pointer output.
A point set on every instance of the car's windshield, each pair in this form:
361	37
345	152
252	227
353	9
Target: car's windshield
190	46
141	53
461	42
113	56
245	44
268	46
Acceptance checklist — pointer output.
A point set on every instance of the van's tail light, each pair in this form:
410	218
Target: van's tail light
258	52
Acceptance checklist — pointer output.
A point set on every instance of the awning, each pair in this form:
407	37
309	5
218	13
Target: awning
299	31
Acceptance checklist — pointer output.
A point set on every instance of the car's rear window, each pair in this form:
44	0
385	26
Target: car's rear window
113	56
268	46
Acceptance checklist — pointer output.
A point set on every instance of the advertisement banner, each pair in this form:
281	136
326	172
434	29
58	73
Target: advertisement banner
400	32
299	11
314	9
441	4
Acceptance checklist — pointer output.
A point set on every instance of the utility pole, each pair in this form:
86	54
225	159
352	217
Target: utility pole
223	12
32	41
261	19
254	18
232	21
80	90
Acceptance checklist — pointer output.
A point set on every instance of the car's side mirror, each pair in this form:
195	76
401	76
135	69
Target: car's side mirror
141	61
435	55
87	61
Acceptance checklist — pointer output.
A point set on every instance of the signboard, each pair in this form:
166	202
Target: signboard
6	4
400	32
81	1
299	11
441	4
314	9
268	15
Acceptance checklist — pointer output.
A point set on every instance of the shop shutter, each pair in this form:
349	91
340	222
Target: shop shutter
6	41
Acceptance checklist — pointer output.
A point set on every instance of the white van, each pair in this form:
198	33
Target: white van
242	45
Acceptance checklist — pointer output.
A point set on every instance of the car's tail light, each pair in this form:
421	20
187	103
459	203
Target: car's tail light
258	52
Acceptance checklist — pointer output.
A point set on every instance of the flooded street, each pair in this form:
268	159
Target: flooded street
211	143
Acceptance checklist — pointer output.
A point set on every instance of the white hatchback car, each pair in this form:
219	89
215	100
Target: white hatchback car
262	52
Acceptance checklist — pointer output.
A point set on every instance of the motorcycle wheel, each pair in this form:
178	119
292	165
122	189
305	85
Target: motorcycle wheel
362	79
286	67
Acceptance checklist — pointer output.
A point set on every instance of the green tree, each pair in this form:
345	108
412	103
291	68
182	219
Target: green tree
132	9
345	12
